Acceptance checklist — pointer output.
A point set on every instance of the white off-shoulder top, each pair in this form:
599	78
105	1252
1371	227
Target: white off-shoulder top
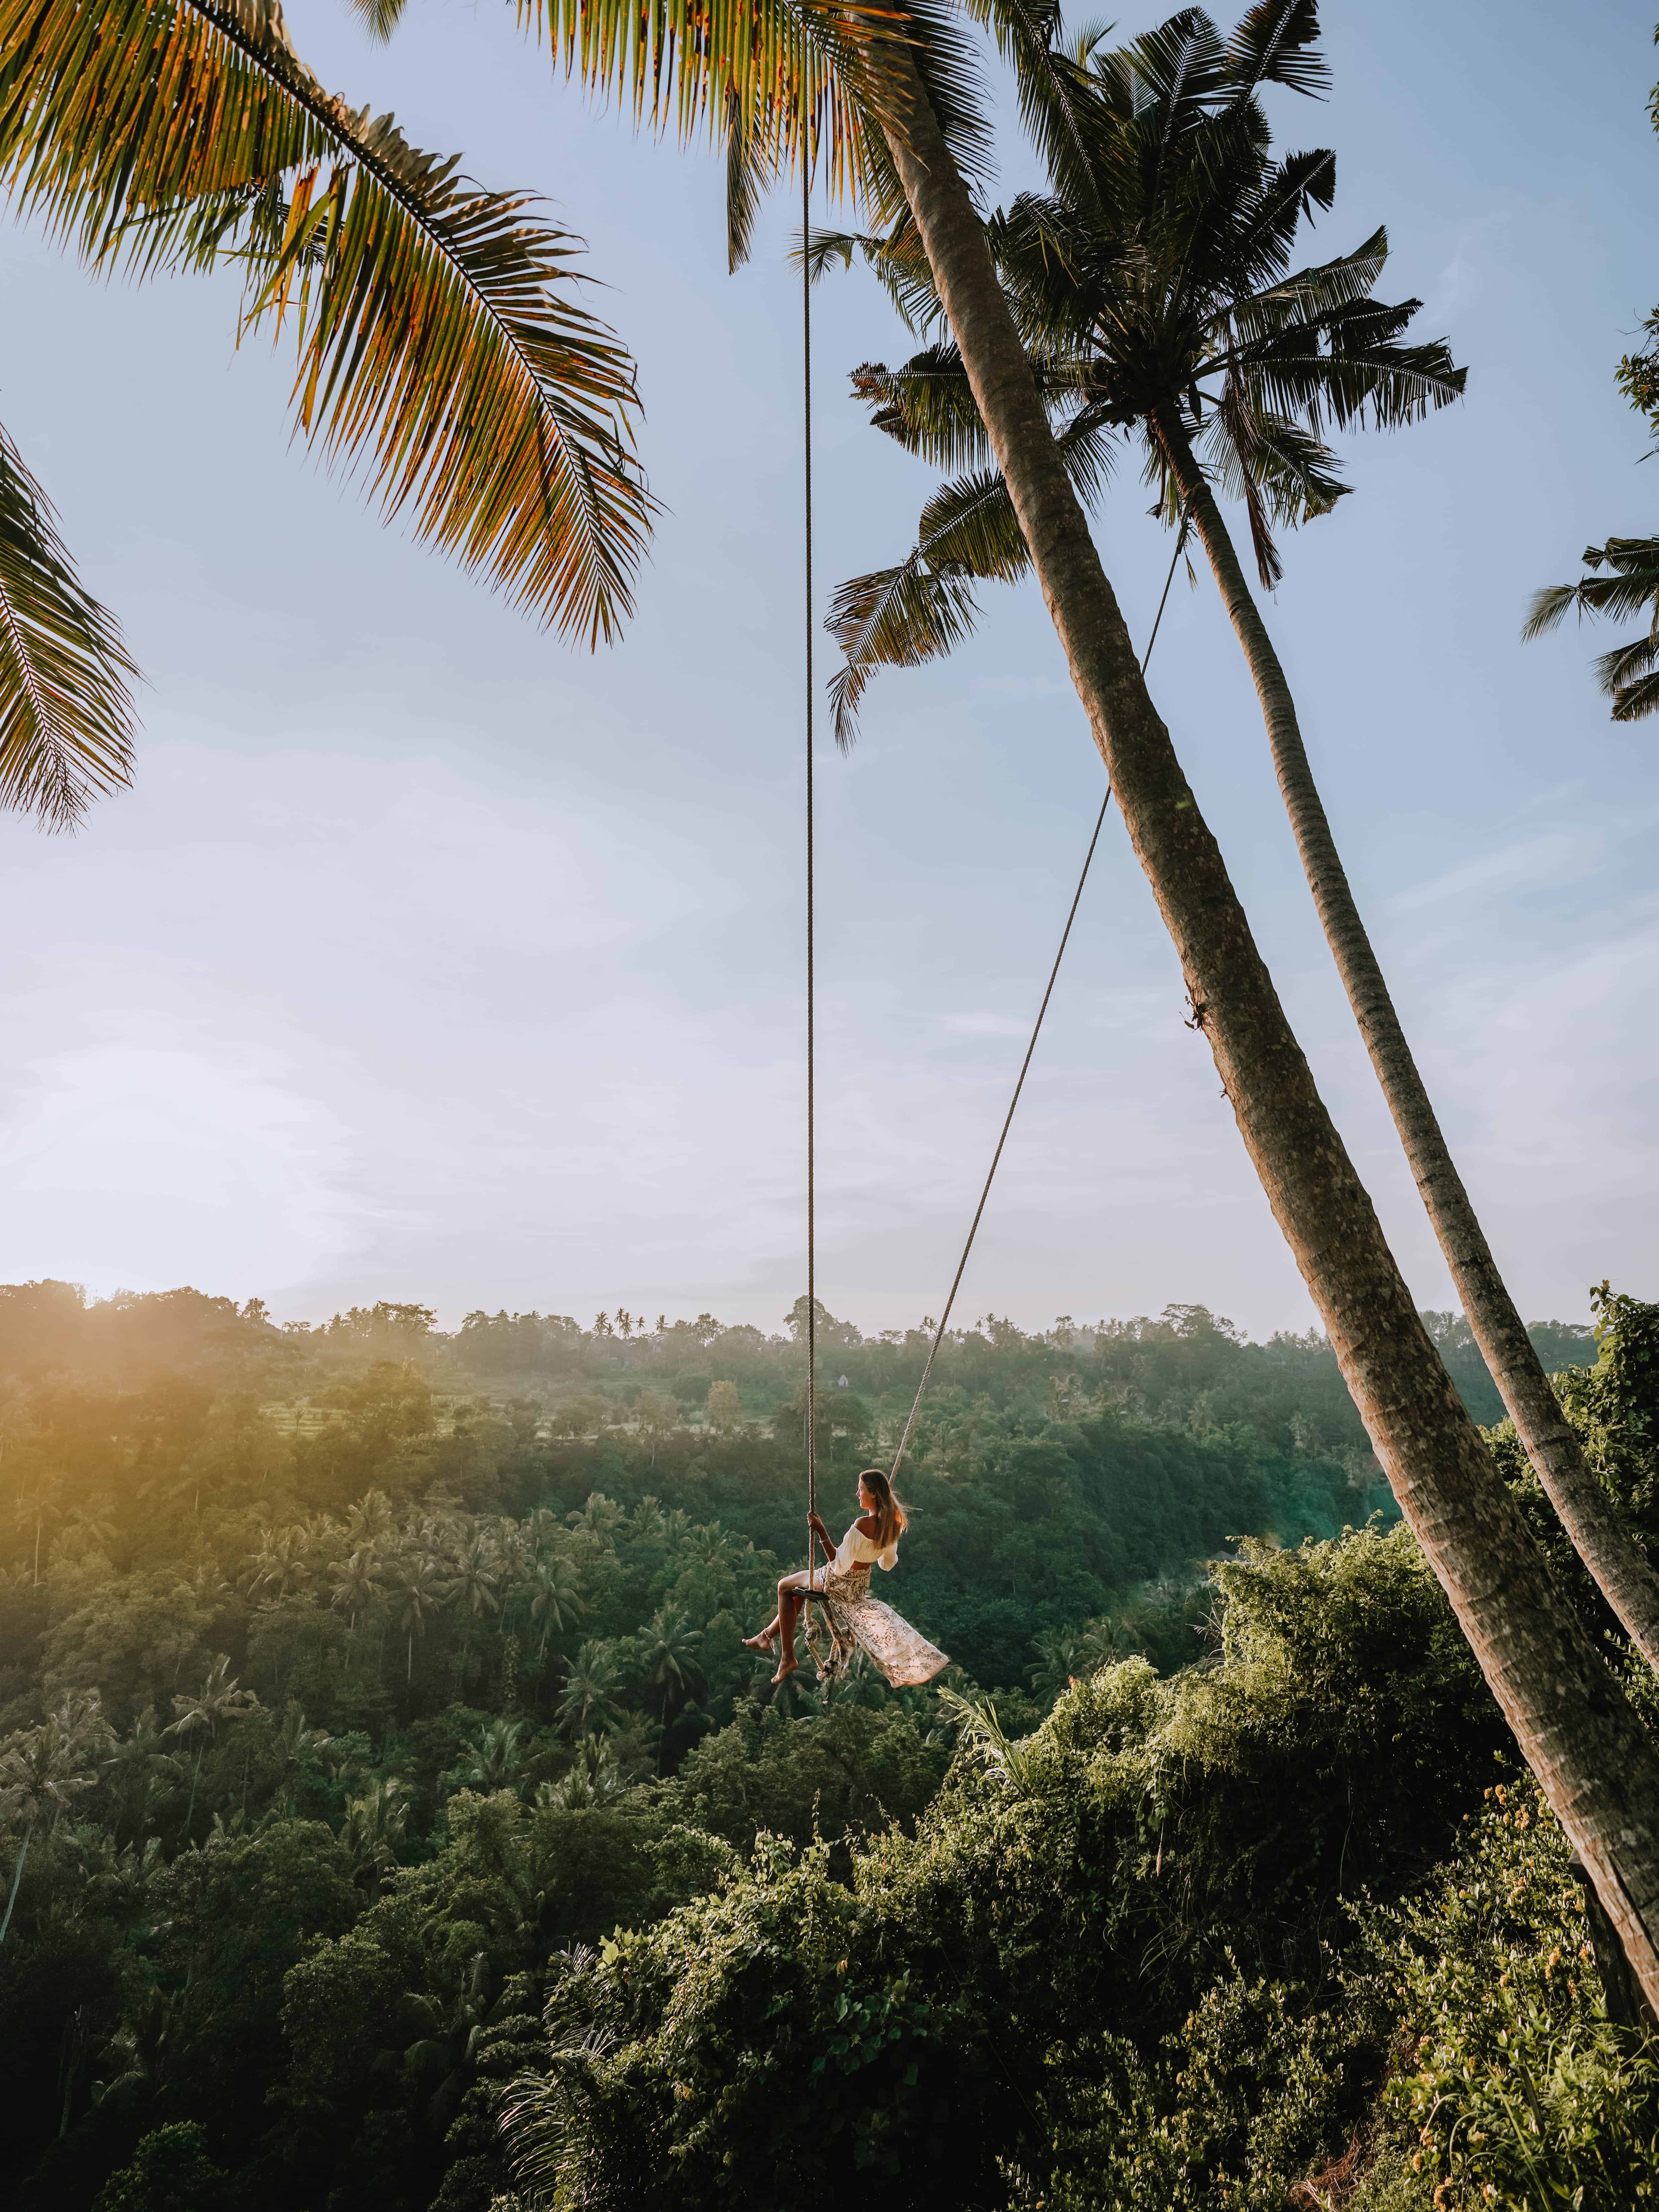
858	1550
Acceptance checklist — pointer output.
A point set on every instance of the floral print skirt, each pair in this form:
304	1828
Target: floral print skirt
859	1622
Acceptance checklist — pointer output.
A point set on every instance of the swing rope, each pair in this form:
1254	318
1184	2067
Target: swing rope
1024	1065
812	1010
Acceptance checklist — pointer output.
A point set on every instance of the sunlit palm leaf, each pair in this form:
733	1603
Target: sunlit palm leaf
65	697
443	353
829	74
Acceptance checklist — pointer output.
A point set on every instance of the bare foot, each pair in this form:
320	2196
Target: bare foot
761	1643
785	1670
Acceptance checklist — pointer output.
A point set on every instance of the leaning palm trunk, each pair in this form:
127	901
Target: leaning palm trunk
1572	1722
1622	1573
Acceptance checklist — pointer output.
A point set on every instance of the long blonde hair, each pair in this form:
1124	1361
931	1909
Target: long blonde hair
892	1519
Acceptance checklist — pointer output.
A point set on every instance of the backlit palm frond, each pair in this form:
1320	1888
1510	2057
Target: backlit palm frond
1058	98
66	713
381	17
1283	473
1618	671
1630	673
918	611
1174	74
1633	701
893	618
922	610
897	258
1348	370
442	354
1251	231
1274	44
1632	588
747	175
820	74
1311	294
927	406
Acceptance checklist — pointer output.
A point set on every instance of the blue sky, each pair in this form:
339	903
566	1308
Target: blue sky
428	959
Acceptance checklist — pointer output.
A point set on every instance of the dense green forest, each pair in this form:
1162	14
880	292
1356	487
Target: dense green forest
392	1817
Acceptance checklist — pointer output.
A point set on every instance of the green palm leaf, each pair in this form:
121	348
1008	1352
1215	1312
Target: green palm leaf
65	697
922	609
1630	673
443	355
779	76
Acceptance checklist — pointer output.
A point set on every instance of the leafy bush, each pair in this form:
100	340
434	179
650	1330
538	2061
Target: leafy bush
1515	2084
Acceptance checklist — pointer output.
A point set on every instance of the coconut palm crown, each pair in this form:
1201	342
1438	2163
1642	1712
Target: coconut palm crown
1153	288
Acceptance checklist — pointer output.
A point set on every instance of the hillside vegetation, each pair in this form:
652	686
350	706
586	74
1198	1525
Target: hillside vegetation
392	1818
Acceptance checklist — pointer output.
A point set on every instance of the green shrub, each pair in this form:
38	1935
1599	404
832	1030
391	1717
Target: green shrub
1514	2089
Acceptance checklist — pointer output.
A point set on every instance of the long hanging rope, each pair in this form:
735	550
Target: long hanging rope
811	1011
1024	1065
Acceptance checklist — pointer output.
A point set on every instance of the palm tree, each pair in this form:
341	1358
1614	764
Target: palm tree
139	1763
1156	294
220	1698
356	1584
555	1595
588	1700
374	1827
668	1661
418	1587
43	1769
296	1742
892	98
594	1779
33	1508
1630	673
497	1759
478	1575
443	349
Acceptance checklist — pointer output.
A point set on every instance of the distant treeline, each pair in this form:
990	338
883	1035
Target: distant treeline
1186	1363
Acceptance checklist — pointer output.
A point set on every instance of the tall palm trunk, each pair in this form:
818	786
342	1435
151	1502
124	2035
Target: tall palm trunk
17	1876
1572	1722
1622	1572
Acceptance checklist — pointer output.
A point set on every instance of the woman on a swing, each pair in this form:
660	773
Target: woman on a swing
904	1656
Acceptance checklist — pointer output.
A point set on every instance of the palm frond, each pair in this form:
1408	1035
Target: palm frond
1058	98
919	610
379	17
1274	44
927	406
893	618
1631	589
1549	607
1312	294
896	257
1616	671
1637	700
809	76
902	617
66	715
746	178
443	355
